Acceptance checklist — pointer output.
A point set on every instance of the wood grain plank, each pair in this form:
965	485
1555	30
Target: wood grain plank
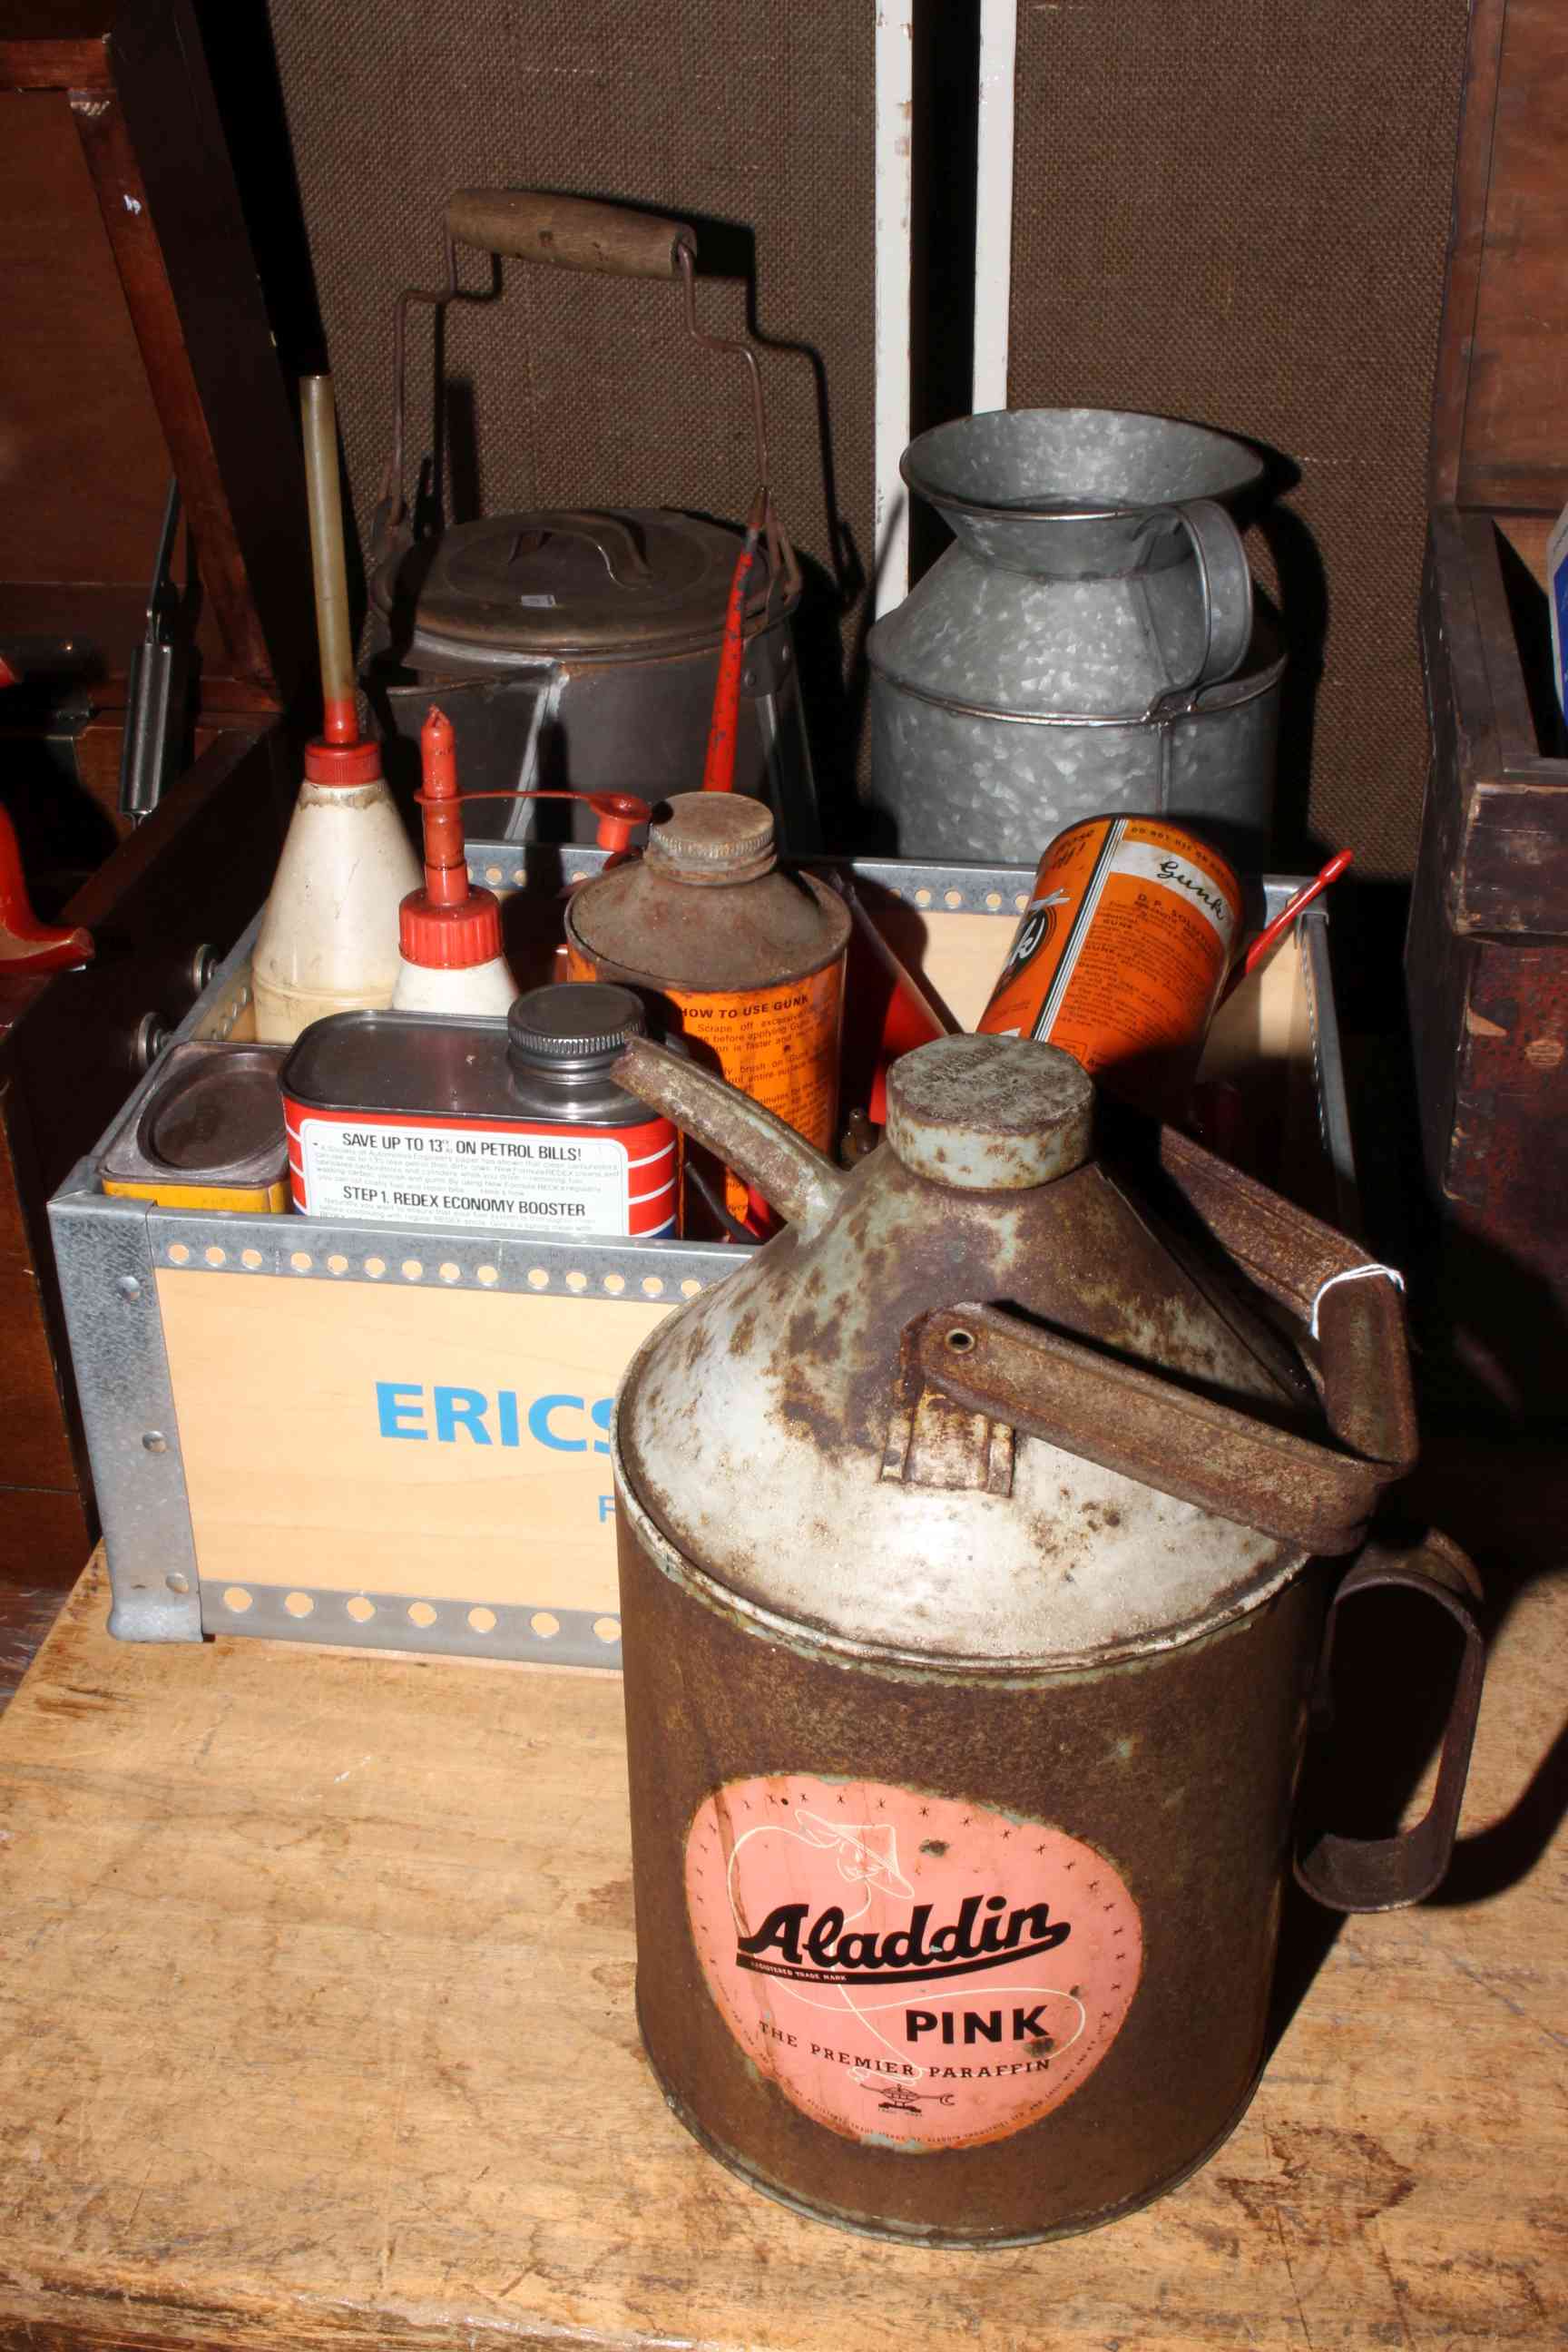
315	1990
1466	245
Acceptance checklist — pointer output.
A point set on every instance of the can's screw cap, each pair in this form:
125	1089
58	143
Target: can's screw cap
713	838
990	1113
573	1021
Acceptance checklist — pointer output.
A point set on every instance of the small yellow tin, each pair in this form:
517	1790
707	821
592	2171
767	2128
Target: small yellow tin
208	1135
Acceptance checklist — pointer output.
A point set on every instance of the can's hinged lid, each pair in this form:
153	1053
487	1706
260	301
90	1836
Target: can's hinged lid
627	581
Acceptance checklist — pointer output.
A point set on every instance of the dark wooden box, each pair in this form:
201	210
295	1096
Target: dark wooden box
1487	956
136	347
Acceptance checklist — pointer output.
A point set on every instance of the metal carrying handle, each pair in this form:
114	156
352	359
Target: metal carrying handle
1148	1427
1384	1874
1225	578
1318	1496
567	233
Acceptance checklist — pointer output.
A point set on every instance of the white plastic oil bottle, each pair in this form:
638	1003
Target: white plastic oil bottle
328	941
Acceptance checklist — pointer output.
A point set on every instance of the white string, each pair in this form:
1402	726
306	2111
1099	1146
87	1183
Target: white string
1353	1274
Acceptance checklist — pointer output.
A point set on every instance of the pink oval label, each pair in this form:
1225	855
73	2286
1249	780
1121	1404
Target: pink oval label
908	1968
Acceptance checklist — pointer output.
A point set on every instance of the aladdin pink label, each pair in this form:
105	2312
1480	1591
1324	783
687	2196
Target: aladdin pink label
908	1968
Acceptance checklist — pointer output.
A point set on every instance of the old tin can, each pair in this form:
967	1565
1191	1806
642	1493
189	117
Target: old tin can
1122	953
209	1135
747	959
969	1652
394	1117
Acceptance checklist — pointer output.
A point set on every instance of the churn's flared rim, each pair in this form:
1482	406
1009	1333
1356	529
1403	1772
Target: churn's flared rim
1074	465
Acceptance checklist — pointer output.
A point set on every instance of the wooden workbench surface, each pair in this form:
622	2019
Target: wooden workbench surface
316	2031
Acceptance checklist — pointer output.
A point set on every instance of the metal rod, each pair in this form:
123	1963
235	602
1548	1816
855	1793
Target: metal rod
993	202
318	415
894	184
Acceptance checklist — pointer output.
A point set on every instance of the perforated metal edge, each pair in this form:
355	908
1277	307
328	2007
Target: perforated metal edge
320	1614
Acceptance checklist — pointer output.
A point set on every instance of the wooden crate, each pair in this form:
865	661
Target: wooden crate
397	1436
1487	958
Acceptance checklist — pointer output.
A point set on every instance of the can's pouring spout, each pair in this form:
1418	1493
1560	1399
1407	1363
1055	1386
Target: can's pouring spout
798	1182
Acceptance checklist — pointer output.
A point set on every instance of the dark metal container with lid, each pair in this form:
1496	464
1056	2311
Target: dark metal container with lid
209	1135
394	1117
579	645
746	960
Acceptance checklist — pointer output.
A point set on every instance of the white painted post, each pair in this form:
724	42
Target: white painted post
895	96
993	202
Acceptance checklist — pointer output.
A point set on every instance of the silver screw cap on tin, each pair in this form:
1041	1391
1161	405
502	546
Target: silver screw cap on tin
713	838
990	1113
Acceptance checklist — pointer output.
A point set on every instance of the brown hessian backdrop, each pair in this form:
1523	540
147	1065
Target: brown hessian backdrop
1232	213
1237	211
756	125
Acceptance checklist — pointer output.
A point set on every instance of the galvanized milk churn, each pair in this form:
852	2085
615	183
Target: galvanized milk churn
976	1539
1086	648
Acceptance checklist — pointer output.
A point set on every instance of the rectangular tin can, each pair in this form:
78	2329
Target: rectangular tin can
395	1436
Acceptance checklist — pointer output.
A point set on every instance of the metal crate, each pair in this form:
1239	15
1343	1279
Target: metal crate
229	1375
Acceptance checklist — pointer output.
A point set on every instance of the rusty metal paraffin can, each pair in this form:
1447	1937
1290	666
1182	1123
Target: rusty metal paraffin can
1122	953
968	1655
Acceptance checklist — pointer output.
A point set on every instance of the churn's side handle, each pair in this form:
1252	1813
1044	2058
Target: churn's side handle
1385	1873
1226	579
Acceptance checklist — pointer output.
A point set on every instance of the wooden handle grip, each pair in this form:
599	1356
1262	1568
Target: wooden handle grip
568	232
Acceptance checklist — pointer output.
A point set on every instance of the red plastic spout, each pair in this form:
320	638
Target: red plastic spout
341	720
448	925
446	858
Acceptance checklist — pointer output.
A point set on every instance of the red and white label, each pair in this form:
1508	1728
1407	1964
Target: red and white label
908	1968
380	1168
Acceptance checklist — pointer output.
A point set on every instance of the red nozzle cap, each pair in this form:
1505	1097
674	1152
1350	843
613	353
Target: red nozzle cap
449	924
616	815
343	764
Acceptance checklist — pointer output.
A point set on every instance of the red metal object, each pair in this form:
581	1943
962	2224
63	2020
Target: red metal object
25	944
719	767
1282	921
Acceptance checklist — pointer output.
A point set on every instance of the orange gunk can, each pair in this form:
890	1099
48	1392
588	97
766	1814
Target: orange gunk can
1122	953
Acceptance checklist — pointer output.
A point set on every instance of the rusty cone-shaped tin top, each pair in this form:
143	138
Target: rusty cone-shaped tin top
811	1435
657	917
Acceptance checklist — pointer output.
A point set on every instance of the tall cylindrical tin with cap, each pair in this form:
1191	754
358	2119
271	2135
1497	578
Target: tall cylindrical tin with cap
747	958
976	1538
